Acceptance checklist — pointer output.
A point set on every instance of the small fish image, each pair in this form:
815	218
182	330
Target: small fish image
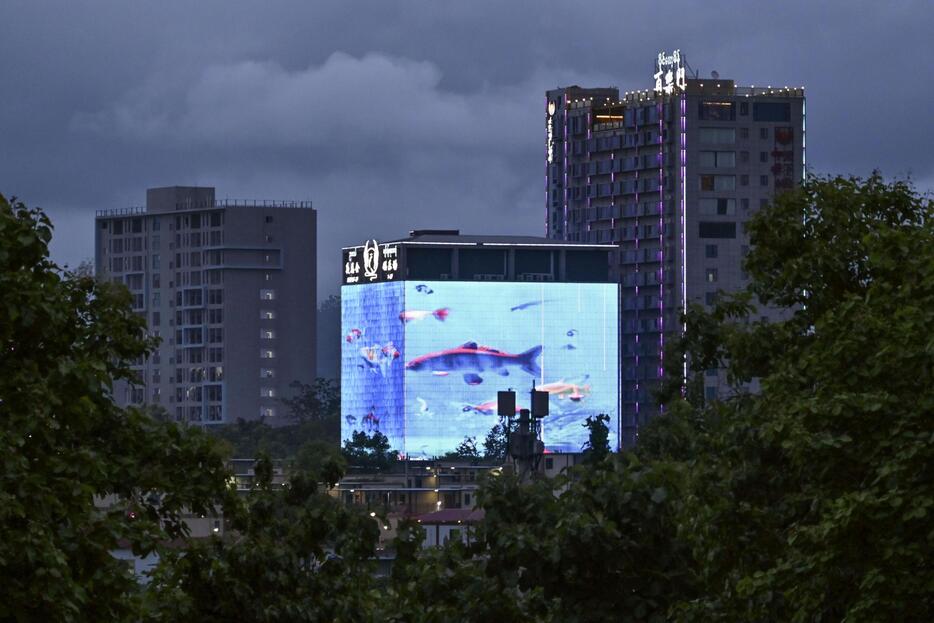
476	359
353	335
522	306
569	347
422	405
380	358
571	332
423	289
350	419
371	421
574	391
486	408
415	314
389	350
440	373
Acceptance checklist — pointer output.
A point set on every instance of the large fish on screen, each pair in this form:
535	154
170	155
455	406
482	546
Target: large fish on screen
475	359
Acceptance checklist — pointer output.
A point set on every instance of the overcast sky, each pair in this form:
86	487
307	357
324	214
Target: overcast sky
399	115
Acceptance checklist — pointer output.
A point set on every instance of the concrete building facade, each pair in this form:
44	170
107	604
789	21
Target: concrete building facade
670	175
230	288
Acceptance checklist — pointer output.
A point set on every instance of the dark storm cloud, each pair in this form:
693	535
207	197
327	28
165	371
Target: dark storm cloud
391	115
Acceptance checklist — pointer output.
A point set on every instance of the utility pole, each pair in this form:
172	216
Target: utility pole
524	444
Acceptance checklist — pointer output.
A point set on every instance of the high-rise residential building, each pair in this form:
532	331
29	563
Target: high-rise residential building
230	288
670	175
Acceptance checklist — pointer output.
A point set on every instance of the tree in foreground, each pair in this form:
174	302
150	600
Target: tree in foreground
64	339
292	553
812	499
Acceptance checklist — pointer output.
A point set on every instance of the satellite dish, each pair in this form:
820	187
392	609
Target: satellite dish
715	74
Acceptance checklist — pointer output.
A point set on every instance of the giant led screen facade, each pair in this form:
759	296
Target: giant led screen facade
422	362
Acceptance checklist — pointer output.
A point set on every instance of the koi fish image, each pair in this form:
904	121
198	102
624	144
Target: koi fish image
474	359
380	358
353	335
415	314
562	389
423	289
486	408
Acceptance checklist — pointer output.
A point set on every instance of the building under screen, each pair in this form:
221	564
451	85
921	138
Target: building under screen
422	361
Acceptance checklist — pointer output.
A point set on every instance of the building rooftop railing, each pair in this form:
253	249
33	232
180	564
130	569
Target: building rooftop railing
218	203
261	203
131	211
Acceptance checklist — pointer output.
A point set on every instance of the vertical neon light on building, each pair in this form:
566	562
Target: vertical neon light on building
683	216
549	157
660	110
804	133
564	120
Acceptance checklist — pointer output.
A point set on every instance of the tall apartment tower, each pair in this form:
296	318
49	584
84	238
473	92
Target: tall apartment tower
670	175
230	288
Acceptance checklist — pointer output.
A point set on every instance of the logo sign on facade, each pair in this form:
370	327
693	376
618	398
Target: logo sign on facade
550	132
669	73
371	262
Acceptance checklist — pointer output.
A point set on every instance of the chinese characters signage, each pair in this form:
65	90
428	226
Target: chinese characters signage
550	132
371	263
669	73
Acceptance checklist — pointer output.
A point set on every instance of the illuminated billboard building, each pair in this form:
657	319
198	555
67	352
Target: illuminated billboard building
669	176
435	324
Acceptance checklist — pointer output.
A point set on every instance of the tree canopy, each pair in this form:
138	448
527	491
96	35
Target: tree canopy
64	339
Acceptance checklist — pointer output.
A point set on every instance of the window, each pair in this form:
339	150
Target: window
744	132
744	180
718	159
215	414
720	206
763	180
215	335
215	316
744	108
763	156
717	135
267	314
709	229
771	111
215	219
710	275
267	334
717	111
155	227
117	228
268	219
744	156
710	250
710	393
267	353
267	392
215	393
215	297
267	373
764	133
214	277
267	412
267	295
717	182
156	319
745	204
549	463
216	374
215	355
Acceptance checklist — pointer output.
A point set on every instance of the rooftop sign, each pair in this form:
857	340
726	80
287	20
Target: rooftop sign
669	73
372	262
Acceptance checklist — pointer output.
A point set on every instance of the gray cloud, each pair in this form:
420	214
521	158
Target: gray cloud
408	114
